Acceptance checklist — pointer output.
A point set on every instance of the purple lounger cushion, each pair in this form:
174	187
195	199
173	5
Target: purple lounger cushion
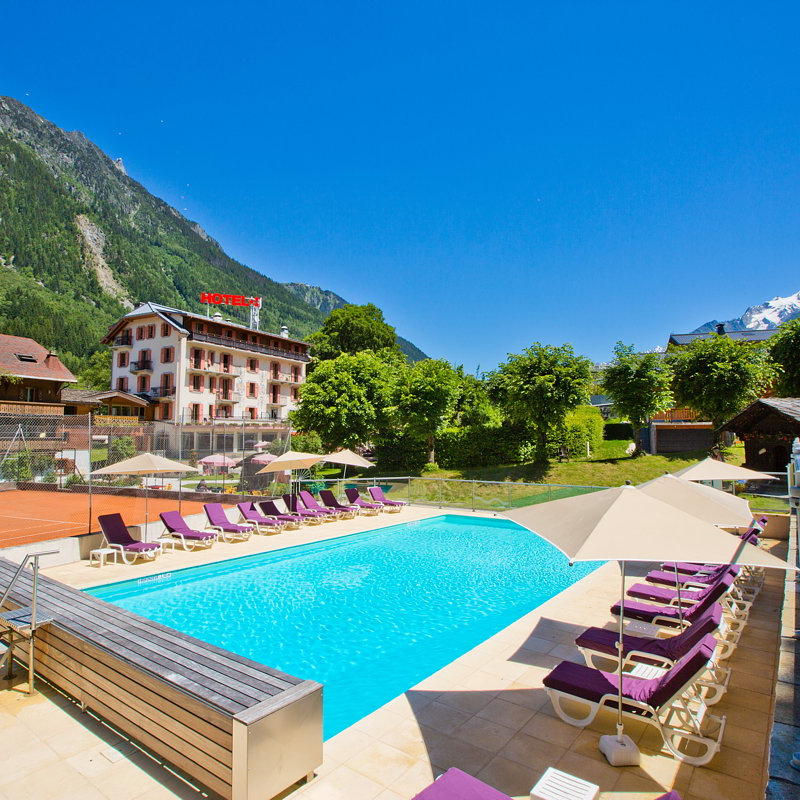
646	612
600	640
663	594
116	532
354	497
668	578
590	684
175	523
249	513
269	507
216	516
457	785
673	795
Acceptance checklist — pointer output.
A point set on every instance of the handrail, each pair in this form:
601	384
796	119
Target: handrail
15	577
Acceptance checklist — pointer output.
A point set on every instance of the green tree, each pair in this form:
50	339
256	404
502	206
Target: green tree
425	399
120	448
97	372
785	350
352	329
539	387
717	377
474	406
640	385
347	399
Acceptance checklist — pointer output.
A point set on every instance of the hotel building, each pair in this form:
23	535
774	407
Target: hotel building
201	372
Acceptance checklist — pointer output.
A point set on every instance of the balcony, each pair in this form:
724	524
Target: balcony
675	415
228	397
142	365
159	392
223	341
284	377
123	341
214	369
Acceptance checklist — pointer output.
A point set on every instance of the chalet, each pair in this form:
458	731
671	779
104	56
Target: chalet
32	378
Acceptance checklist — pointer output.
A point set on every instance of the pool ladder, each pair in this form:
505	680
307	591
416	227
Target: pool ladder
20	624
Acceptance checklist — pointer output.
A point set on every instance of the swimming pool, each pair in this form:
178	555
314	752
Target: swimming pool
368	615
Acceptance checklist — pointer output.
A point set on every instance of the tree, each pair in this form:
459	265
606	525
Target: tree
539	387
717	377
639	383
474	407
425	398
785	351
120	448
353	329
347	399
97	373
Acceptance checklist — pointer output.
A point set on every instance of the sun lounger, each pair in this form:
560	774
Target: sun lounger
664	577
671	616
366	508
599	645
670	703
314	517
330	501
691	593
376	493
218	521
117	538
264	525
270	509
310	502
457	785
178	528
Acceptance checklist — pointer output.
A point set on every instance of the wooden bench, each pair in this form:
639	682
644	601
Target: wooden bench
239	728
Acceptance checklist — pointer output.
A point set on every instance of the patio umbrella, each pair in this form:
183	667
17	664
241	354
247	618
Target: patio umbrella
262	458
145	464
348	458
626	524
217	460
262	445
709	469
291	460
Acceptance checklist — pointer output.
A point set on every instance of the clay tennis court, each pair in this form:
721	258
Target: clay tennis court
35	516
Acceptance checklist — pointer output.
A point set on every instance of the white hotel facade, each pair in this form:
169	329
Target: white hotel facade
199	372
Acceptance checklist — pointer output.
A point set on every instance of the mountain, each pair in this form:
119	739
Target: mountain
769	314
81	242
326	301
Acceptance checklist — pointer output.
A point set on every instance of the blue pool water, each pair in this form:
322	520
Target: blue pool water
368	615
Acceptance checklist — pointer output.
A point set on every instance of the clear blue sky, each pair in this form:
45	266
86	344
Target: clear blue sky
489	174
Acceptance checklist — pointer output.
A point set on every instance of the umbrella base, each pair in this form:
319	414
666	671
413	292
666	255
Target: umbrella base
619	751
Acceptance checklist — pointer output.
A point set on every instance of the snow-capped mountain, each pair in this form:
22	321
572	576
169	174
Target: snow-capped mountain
765	315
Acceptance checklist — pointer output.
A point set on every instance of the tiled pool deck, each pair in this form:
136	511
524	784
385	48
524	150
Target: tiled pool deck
486	712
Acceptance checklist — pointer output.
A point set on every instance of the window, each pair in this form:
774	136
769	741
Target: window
167	355
166	411
196	412
199	327
166	382
151	331
143	383
140	332
122	359
26	358
122	384
252	365
252	390
211	413
165	328
196	384
294	393
253	413
212	384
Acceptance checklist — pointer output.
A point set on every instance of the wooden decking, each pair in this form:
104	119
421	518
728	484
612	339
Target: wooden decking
178	696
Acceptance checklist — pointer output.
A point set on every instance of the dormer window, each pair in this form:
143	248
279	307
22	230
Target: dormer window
25	357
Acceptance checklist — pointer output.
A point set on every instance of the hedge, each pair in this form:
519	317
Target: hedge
618	430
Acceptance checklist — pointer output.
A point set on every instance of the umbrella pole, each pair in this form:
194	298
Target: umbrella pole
180	491
678	588
620	750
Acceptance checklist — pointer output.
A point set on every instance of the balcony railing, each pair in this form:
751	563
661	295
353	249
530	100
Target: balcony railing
142	365
230	397
675	415
107	419
217	369
160	392
123	341
224	341
284	377
265	419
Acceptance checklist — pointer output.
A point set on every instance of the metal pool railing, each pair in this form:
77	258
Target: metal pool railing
458	493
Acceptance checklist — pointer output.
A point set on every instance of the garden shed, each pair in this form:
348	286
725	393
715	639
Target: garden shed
768	427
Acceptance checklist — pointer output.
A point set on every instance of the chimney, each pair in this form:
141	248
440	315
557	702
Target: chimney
217	316
284	332
720	329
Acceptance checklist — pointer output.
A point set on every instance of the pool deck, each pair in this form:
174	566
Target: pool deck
486	712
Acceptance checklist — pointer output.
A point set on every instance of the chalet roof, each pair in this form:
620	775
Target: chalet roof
94	397
736	336
26	358
173	317
786	409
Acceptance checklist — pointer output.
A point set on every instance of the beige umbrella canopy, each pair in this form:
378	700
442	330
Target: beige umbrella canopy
145	464
348	458
626	524
703	502
292	459
709	469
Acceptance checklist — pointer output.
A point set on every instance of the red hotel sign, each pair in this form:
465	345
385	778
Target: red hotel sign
229	299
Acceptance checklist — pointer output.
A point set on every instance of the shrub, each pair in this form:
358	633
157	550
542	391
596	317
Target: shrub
584	424
618	430
478	446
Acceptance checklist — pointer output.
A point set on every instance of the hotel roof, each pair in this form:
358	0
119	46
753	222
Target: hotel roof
26	358
736	336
